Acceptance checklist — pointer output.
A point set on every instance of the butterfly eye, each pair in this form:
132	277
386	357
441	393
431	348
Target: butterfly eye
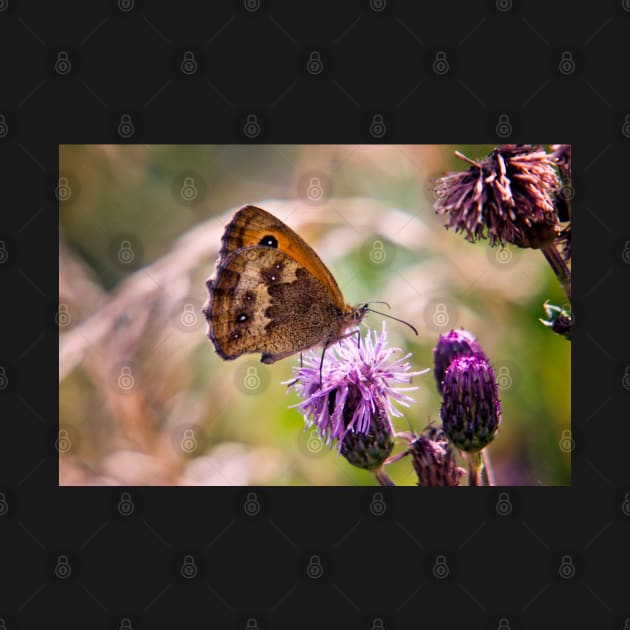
269	241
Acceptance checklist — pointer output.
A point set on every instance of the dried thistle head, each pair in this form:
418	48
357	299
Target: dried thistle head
509	197
433	459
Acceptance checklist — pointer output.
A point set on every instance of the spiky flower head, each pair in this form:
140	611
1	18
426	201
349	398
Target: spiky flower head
354	402
433	459
456	343
509	197
471	409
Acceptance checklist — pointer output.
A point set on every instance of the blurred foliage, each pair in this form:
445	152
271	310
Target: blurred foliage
191	418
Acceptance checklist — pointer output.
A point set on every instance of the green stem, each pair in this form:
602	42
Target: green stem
559	266
474	468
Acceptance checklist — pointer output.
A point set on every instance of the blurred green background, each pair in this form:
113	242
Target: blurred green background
143	398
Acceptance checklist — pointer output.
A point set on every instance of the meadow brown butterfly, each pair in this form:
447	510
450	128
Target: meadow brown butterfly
271	293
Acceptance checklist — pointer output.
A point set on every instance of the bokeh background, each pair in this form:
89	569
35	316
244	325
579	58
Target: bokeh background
143	398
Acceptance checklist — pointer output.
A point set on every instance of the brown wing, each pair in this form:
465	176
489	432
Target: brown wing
262	300
254	226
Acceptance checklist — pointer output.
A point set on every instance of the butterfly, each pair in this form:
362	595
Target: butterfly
271	293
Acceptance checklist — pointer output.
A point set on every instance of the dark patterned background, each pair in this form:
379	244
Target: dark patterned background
314	72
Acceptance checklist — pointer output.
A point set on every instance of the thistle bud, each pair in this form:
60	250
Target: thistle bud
471	409
457	343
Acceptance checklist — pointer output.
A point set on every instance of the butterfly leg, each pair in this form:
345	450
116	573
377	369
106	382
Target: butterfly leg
295	380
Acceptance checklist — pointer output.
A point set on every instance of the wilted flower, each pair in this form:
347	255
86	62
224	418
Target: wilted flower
471	409
509	197
354	402
433	459
456	343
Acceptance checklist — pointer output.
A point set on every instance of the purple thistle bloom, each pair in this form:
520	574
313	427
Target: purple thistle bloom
509	197
354	403
457	343
433	460
471	409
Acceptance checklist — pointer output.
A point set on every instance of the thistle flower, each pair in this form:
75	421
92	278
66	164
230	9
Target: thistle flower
509	197
456	343
433	459
471	409
354	402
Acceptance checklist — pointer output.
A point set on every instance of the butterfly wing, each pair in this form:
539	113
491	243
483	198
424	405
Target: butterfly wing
263	300
251	226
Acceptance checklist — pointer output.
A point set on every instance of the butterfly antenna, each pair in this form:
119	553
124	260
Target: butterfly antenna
402	321
386	303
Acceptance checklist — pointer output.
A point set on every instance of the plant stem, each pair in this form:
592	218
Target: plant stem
559	266
474	469
488	471
383	478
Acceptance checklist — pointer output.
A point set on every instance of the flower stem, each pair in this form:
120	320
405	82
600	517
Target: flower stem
488	471
559	266
382	477
474	469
